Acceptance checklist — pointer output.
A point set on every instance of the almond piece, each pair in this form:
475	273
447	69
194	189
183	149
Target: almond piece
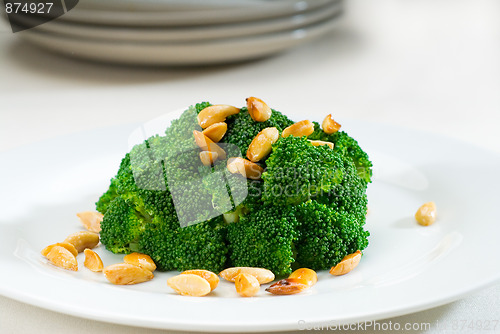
299	129
127	274
215	114
92	260
426	214
258	109
321	143
306	274
141	260
261	274
206	144
348	263
216	131
246	285
288	286
61	257
248	169
189	285
261	145
211	277
208	158
91	220
329	125
82	240
66	245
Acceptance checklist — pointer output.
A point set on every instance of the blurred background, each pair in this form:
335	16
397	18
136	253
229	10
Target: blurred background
425	64
432	65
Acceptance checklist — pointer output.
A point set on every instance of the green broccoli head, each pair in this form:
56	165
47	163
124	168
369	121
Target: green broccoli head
327	235
264	238
298	171
242	129
347	147
165	203
122	227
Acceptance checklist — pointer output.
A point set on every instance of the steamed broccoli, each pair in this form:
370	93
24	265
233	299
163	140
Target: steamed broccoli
297	171
264	238
327	235
242	128
308	210
348	147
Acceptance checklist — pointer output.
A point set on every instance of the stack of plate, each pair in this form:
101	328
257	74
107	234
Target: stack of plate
184	32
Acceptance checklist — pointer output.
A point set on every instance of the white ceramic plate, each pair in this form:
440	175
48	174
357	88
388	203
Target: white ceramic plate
156	16
185	34
187	53
406	267
187	5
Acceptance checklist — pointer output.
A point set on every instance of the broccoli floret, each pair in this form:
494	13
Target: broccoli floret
242	129
308	210
297	171
200	246
348	147
122	227
264	238
105	200
163	183
327	235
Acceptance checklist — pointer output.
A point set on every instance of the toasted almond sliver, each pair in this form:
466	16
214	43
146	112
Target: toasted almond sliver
261	274
261	145
258	109
126	274
215	114
248	169
216	131
66	245
299	129
426	214
348	263
211	277
61	257
207	144
329	125
246	285
189	285
141	260
288	286
306	274
91	220
321	143
82	240
92	260
208	158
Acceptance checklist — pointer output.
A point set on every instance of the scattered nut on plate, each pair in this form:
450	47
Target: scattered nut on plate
348	263
261	274
141	260
92	261
288	286
189	285
426	214
306	274
126	274
246	285
91	220
63	258
82	240
211	277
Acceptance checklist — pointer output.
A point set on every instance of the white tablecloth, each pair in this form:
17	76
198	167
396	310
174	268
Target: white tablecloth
427	64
